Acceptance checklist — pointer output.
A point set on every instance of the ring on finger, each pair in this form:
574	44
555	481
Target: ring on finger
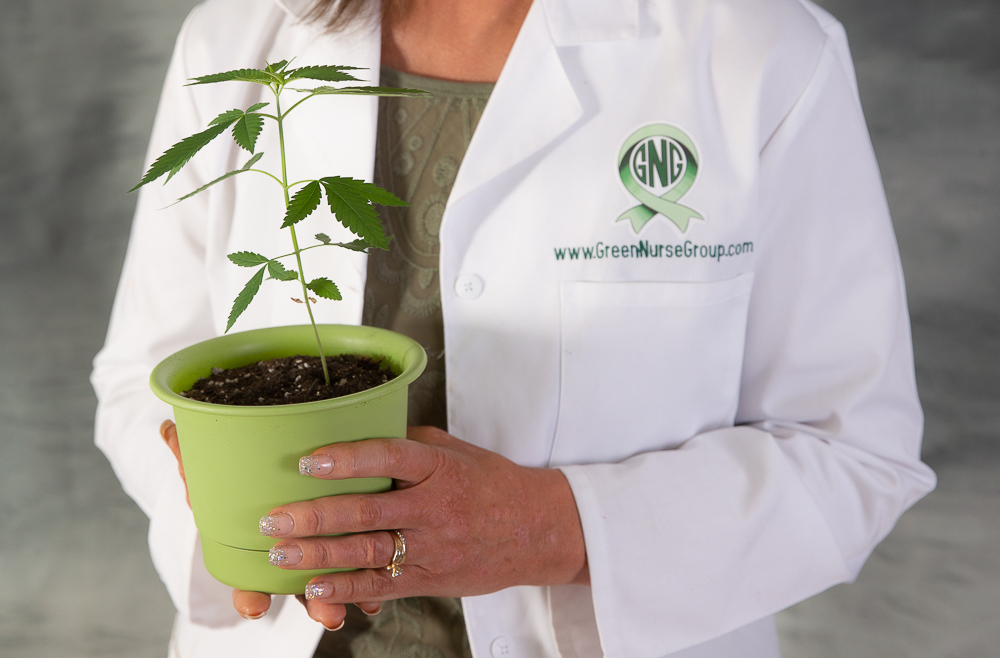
399	556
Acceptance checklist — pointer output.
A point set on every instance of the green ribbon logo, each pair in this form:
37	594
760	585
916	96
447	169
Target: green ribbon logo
659	156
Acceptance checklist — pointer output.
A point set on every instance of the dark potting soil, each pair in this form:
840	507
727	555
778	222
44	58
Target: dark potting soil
289	380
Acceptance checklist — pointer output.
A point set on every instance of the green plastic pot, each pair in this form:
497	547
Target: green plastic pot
240	462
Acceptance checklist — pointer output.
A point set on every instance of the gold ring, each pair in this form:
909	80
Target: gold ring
399	556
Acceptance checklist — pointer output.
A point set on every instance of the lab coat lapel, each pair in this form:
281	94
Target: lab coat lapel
534	94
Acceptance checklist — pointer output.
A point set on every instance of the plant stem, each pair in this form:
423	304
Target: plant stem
295	242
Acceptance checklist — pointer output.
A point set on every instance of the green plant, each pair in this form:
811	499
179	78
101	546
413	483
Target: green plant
350	200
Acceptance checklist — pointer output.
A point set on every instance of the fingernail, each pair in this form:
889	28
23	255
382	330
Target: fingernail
315	465
276	524
255	617
285	556
317	590
373	612
342	622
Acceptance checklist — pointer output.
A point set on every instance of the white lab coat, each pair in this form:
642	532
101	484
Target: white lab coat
739	431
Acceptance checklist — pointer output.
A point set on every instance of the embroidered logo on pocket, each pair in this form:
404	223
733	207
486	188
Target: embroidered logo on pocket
658	165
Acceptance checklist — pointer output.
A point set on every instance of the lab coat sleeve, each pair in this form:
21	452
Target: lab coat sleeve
738	523
161	306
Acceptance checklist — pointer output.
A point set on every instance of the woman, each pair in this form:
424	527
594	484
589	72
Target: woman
675	373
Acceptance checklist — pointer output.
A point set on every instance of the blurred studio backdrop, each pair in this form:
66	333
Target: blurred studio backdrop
79	82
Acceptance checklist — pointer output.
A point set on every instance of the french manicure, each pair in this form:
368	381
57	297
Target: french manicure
275	525
255	617
342	622
317	591
373	612
285	556
315	465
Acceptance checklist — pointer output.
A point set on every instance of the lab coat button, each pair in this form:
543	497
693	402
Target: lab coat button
468	286
500	647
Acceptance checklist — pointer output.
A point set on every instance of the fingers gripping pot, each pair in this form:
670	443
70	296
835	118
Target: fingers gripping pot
241	462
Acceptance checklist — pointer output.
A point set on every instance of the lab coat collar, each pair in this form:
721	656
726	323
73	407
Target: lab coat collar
572	22
295	8
534	93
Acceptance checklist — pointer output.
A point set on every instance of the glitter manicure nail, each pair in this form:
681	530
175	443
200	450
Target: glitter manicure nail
316	590
315	465
285	556
276	524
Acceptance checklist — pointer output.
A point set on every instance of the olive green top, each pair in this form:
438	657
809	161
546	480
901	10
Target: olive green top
420	144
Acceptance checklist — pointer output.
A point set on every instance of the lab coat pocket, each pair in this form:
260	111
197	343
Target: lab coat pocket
647	365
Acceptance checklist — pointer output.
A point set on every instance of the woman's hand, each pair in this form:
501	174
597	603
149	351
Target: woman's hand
473	521
168	431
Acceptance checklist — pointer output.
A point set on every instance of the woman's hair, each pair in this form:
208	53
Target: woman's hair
338	14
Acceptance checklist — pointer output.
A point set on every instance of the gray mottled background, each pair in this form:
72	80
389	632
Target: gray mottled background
78	89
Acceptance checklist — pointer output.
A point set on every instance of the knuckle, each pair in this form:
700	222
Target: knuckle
379	583
310	521
393	456
372	552
369	514
322	555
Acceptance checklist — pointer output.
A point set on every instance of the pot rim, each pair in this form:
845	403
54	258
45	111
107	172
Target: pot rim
413	361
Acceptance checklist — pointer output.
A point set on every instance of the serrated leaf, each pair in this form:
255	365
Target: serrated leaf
302	204
245	297
227	117
256	106
323	237
251	162
373	193
247	259
325	288
364	91
324	73
278	271
277	66
242	75
354	245
179	154
247	130
352	207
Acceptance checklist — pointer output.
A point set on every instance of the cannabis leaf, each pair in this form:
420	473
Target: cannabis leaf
363	91
245	297
351	202
251	162
247	130
278	271
277	67
325	288
247	259
302	204
325	73
178	155
354	245
242	75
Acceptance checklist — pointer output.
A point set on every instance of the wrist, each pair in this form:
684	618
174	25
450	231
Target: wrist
559	532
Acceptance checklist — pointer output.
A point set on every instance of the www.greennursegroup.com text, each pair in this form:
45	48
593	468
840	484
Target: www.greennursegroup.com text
645	249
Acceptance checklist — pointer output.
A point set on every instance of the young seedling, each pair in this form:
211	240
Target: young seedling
350	200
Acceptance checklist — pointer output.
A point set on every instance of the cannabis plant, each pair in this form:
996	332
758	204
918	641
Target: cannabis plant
350	199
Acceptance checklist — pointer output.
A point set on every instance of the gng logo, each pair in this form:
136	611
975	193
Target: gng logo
658	164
